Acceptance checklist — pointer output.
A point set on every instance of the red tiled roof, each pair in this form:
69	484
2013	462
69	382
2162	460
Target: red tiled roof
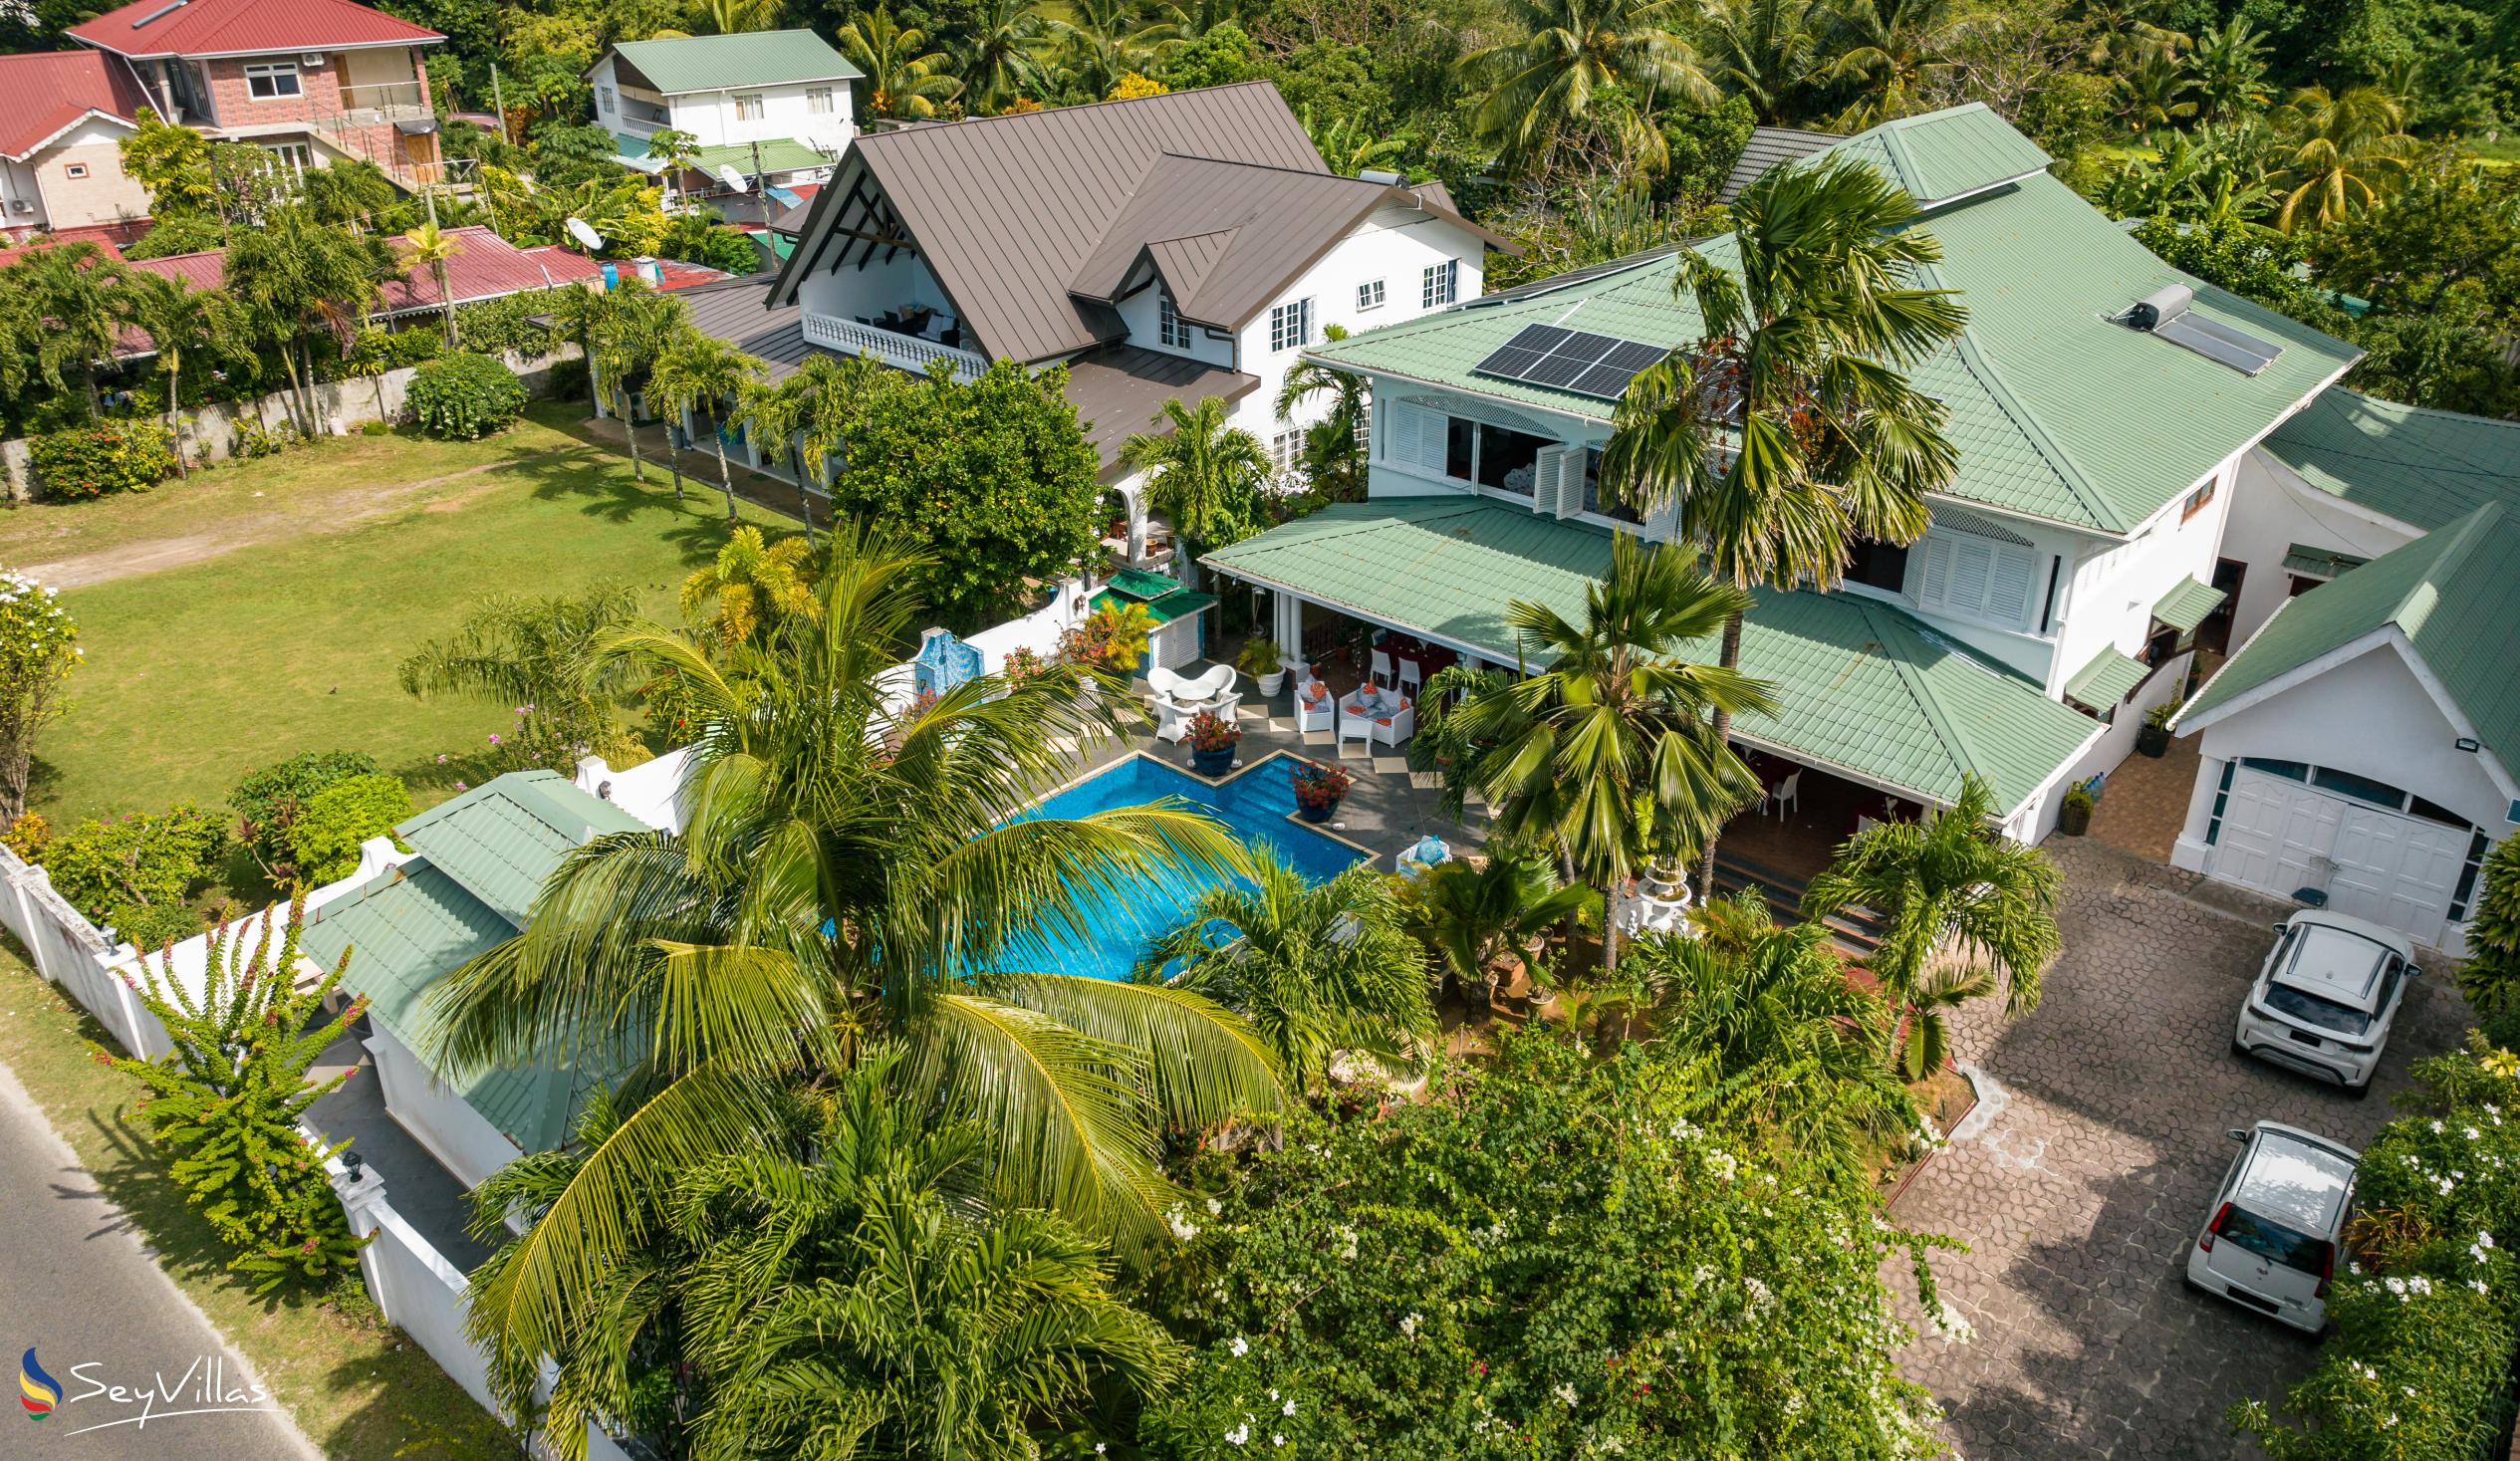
246	27
105	246
674	274
50	89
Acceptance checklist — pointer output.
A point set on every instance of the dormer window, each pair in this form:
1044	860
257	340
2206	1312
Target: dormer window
1170	329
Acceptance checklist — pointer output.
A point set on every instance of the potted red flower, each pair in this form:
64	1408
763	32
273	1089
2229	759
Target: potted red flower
1319	790
1213	740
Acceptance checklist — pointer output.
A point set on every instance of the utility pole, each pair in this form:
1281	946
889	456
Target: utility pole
498	99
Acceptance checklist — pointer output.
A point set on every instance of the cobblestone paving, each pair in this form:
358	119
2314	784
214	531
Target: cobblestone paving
2079	1196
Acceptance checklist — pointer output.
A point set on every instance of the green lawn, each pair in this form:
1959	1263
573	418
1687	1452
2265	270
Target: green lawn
196	674
356	1385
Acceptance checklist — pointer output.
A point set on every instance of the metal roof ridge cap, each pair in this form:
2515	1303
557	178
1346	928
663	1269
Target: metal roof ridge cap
2050	450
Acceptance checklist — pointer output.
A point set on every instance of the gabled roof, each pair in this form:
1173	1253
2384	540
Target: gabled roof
1005	209
246	28
680	64
2448	595
50	91
1860	687
2422	467
2058	411
1767	146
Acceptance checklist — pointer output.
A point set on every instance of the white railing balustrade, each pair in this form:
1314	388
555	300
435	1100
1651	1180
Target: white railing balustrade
909	352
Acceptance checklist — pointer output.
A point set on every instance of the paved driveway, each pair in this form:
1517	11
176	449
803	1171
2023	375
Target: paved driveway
2079	1196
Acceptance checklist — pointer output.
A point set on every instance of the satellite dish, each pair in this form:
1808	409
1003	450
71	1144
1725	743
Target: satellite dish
578	230
727	174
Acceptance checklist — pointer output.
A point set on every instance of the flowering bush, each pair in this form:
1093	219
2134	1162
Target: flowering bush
1209	731
102	459
466	395
39	648
1317	785
1558	1257
2425	1316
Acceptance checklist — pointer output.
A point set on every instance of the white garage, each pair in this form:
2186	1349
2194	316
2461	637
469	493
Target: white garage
2374	851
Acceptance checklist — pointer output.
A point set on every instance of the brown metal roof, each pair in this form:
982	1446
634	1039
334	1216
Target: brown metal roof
1769	145
1005	208
738	311
1118	389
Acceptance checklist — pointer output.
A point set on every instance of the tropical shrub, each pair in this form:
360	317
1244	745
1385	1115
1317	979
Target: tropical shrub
39	648
225	1101
26	834
268	802
2490	977
323	840
102	459
507	324
1560	1256
137	872
465	395
256	438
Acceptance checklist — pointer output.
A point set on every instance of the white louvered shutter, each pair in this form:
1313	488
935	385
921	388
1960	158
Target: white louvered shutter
2008	587
1544	482
1935	581
1418	437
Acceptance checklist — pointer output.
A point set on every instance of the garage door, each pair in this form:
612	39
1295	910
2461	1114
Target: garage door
2280	833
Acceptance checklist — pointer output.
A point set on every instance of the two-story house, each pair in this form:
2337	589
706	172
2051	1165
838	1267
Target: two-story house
2069	561
770	110
61	156
312	81
1185	245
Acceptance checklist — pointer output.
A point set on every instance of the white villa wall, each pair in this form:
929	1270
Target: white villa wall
2111	592
1138	312
462	1138
18	186
2275	510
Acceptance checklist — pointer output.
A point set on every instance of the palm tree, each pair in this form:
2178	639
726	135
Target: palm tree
1896	50
1334	457
67	296
625	341
1201	474
1001	60
204	324
2231	69
1610	748
1565	51
1347	149
1806	338
904	76
295	276
752	585
433	246
1966	907
542	656
734	16
2345	153
853	868
1743	994
1472	915
699	371
1104	40
771	413
1318	968
1764	50
2154	91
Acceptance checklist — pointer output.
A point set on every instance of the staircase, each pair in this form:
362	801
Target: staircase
1857	932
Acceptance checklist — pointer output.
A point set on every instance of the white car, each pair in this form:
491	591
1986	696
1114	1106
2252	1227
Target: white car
2271	1243
2324	1003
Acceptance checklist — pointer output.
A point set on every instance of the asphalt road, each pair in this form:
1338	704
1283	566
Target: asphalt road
77	1286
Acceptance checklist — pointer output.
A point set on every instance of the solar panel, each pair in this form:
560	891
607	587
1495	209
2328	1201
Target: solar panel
1604	380
1558	369
1542	338
1584	347
1511	361
1632	356
1570	359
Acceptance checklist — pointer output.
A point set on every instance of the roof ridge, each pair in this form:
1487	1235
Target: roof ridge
924	129
1911	676
2460	540
1323	173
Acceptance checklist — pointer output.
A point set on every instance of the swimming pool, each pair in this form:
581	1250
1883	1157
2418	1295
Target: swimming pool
1254	805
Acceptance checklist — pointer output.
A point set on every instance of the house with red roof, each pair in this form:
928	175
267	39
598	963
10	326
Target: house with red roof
313	81
61	161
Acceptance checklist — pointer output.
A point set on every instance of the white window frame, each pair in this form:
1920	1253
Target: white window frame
272	72
818	100
1439	284
1972	578
1291	326
1370	296
1286	453
297	157
605	99
1170	329
751	106
74	170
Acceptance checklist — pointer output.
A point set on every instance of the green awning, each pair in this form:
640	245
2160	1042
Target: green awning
2319	563
1164	607
2109	679
2187	604
1144	585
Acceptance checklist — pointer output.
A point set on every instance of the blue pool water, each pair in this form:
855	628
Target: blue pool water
1253	805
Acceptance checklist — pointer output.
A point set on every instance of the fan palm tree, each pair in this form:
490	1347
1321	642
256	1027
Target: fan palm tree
429	244
700	371
1609	747
904	76
1318	968
1472	915
66	298
183	322
1334	456
542	655
2344	152
1967	910
1564	51
1767	51
1745	993
1001	60
1200	475
2229	65
752	585
1805	336
1894	50
853	868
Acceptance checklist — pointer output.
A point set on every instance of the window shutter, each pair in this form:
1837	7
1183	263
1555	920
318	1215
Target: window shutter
1970	563
2008	592
1548	482
1932	584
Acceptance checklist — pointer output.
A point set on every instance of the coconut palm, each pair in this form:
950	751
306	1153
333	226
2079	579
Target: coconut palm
1744	995
1563	52
297	277
1894	50
1101	41
2155	91
1334	456
2229	65
1201	474
1767	51
905	78
432	245
542	656
1347	149
183	322
1318	968
1001	61
1808	325
1609	746
751	586
733	17
854	866
699	371
2344	153
1968	910
65	298
1472	915
771	413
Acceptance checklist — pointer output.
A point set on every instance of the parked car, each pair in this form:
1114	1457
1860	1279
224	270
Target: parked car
2271	1242
2325	1000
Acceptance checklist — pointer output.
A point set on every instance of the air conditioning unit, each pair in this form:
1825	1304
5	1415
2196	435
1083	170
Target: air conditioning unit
311	60
20	205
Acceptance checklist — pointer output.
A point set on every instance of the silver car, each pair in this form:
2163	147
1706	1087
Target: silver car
2271	1243
2324	1003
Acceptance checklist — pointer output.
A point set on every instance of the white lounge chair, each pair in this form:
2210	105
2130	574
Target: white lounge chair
1316	709
1178	699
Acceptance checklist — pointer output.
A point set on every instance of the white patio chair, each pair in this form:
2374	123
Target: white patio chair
1409	676
1784	798
1163	681
1397	725
1218	680
1316	709
1381	667
1172	718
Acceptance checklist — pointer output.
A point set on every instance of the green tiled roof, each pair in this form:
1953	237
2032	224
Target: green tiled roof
2057	412
2187	604
502	838
2419	466
2324	562
1163	608
2107	680
2448	593
1862	687
726	62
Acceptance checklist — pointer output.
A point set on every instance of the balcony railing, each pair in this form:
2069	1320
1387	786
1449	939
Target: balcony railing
384	102
909	352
